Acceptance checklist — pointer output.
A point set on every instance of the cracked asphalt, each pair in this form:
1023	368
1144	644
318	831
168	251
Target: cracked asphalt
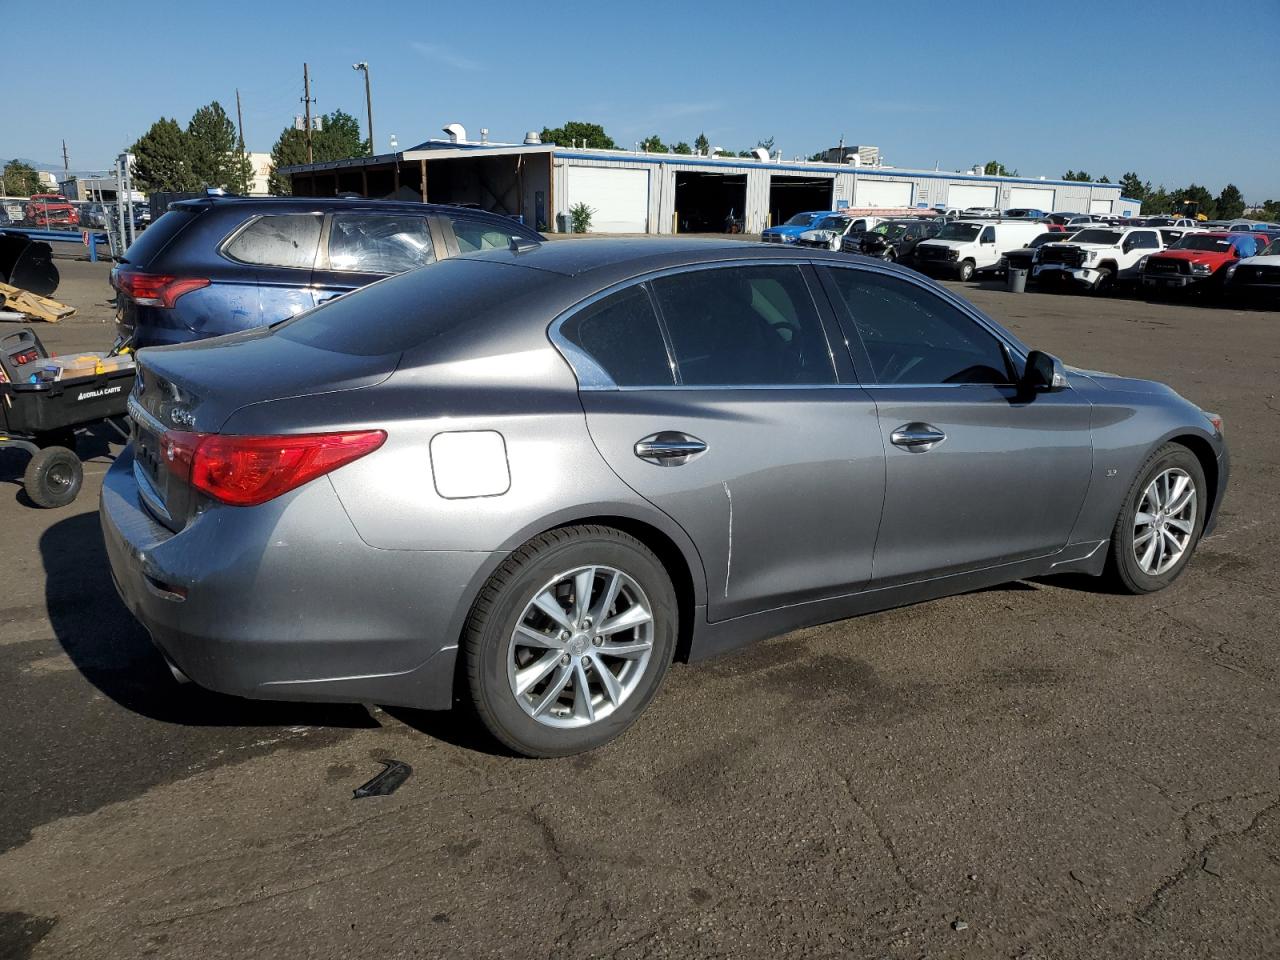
1036	771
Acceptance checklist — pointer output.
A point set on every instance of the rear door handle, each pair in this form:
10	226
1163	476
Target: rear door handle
917	436
669	448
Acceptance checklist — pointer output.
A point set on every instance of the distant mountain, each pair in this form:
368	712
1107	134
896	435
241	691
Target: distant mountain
56	169
39	165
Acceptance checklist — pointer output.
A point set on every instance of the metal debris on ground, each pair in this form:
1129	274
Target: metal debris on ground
960	925
394	773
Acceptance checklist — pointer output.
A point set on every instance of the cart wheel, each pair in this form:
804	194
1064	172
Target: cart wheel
53	477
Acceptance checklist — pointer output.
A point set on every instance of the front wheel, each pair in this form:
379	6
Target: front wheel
1161	522
570	640
966	270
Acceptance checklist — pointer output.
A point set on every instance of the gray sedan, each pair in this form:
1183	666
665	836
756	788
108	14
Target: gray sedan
531	478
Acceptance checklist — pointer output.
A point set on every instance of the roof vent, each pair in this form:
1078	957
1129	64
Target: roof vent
457	133
484	134
531	138
761	154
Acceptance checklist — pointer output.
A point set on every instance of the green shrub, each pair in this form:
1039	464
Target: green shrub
580	215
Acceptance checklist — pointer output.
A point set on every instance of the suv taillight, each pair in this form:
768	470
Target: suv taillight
156	289
245	471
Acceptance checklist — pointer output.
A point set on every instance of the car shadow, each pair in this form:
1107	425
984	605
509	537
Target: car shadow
113	652
459	727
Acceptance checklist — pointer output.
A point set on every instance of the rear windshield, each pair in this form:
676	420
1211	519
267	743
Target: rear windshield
401	312
157	236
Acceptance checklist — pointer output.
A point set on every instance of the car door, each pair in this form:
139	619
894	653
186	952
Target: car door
723	408
361	248
976	474
280	252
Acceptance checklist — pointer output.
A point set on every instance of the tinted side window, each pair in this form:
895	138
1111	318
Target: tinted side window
621	334
378	243
476	235
1146	240
988	235
744	326
288	240
914	336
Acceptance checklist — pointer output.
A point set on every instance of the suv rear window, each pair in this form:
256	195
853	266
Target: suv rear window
157	236
287	240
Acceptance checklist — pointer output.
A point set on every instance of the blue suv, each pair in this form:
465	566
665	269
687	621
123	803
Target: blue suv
790	231
220	264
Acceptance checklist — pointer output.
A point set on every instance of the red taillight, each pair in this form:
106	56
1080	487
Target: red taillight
246	471
156	289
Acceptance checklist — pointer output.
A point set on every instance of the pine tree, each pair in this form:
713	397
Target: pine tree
162	159
702	145
1230	202
211	138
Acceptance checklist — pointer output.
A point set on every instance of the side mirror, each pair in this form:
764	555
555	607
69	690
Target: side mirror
1044	373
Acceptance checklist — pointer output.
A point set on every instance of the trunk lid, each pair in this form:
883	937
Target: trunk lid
196	387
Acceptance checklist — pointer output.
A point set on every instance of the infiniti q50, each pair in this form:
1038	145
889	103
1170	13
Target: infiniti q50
529	479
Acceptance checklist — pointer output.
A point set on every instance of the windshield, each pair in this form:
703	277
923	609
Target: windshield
834	223
1271	251
1201	242
801	220
890	229
1109	237
960	231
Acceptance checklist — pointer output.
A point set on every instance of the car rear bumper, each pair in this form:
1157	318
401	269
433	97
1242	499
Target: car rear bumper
285	602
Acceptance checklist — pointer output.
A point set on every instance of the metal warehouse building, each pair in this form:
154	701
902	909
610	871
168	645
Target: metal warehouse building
672	193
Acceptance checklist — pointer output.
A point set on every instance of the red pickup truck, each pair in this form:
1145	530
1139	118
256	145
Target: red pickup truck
1198	260
51	210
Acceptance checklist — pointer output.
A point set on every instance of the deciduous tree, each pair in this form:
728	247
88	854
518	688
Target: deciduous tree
1230	202
20	179
581	133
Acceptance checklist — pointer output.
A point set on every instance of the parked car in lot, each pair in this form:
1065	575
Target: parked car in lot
220	264
1256	278
51	211
1024	213
966	247
790	231
1097	256
893	240
1024	257
368	502
1198	261
830	232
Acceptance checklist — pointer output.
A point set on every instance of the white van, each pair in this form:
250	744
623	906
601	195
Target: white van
966	247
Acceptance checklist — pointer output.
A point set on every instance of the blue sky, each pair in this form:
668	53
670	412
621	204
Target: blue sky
1178	91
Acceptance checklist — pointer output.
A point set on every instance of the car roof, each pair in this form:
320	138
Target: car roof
616	258
330	204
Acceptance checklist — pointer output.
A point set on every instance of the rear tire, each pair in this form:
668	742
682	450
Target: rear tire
536	672
53	477
1132	563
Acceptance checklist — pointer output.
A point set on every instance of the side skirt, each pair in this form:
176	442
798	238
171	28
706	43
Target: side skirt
712	639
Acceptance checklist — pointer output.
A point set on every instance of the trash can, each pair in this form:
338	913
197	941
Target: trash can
566	222
1017	280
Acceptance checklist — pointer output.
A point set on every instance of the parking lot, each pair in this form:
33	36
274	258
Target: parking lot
1036	771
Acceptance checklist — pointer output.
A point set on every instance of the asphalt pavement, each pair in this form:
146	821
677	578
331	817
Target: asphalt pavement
1041	770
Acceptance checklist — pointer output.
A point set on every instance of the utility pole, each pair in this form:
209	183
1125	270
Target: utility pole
239	121
368	99
240	161
307	101
66	168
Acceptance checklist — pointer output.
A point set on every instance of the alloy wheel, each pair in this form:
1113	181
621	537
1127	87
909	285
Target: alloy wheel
1165	521
580	647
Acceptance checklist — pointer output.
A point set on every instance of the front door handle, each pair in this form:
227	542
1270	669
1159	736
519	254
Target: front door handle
917	436
669	448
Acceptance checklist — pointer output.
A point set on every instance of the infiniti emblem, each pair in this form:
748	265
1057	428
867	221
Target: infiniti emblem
182	417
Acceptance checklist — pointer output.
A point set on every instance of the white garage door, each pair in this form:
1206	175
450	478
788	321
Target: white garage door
1099	206
1034	198
882	193
1073	204
961	196
620	198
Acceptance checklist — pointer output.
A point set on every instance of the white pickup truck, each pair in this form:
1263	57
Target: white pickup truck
1098	256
